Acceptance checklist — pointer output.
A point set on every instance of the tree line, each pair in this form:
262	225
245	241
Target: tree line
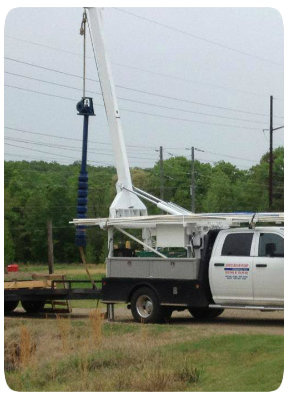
37	191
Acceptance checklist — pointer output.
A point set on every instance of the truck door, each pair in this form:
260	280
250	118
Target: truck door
268	270
230	268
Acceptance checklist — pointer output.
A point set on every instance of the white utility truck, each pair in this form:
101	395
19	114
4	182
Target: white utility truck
226	261
223	266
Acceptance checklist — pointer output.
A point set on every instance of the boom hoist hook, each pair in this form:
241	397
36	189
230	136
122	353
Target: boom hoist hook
85	108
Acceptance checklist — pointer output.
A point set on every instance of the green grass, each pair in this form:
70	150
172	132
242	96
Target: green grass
235	362
64	356
137	357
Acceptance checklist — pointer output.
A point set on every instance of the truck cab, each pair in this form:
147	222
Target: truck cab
247	267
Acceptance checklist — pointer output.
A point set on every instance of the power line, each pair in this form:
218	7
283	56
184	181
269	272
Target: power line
197	82
217	154
139	112
38	92
51	83
133	146
70	148
70	138
197	37
189	111
189	120
47	68
161	74
137	101
142	91
53	154
143	160
191	101
45	46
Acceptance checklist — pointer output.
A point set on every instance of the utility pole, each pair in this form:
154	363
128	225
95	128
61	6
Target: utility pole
271	161
271	156
193	186
50	247
192	189
161	173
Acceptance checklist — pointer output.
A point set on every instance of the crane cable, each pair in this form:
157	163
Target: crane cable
83	33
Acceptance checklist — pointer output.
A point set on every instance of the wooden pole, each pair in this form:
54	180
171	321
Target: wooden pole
192	181
50	247
271	156
161	174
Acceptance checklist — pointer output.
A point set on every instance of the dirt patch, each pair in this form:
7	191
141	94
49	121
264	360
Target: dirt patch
231	321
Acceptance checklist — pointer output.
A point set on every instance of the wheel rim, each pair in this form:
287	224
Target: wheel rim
144	306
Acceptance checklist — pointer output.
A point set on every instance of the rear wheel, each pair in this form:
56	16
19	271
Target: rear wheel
205	313
10	306
33	306
145	306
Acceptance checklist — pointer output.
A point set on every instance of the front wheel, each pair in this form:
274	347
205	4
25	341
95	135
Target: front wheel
33	306
205	313
145	306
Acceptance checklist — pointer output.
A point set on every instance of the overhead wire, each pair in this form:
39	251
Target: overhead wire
65	147
74	139
137	68
140	112
130	146
132	101
137	101
192	35
57	155
141	69
142	91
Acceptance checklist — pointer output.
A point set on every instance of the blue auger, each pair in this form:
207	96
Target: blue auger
85	108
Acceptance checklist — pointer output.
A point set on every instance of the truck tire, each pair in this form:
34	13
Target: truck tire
145	306
33	306
205	313
10	306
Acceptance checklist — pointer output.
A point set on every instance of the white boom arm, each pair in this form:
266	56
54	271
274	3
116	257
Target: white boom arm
126	203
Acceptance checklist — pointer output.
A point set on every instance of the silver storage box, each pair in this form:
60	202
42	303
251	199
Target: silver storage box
152	267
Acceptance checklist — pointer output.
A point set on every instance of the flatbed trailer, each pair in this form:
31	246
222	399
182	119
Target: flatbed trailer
33	296
54	293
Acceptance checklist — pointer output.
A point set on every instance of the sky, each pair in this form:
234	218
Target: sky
184	77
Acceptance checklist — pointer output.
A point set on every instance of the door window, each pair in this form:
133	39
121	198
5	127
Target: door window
271	245
237	244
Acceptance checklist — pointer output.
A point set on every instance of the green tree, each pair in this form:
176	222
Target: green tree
9	251
37	191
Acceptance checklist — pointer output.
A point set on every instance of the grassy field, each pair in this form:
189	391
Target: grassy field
76	353
91	355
